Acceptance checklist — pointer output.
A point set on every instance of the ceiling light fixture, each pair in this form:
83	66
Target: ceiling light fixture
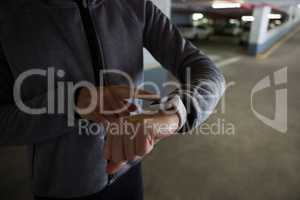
224	4
275	16
248	18
197	16
251	18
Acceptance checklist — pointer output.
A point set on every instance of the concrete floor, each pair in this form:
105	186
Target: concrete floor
256	162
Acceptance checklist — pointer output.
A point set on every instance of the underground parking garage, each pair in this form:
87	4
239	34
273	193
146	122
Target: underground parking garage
142	99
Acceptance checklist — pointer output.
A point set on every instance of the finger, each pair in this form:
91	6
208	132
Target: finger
112	167
109	108
129	147
160	135
117	105
142	144
108	148
149	141
118	154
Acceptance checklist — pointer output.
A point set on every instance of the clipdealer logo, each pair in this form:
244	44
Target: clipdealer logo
278	79
59	97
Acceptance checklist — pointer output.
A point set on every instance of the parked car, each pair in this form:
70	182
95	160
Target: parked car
244	39
245	36
204	32
192	32
232	29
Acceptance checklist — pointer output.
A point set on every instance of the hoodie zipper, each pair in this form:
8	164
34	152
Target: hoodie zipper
92	38
94	44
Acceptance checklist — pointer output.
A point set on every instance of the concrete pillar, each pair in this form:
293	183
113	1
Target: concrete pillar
298	12
259	29
292	13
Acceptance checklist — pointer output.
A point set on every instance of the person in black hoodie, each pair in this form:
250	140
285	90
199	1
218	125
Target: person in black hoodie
76	39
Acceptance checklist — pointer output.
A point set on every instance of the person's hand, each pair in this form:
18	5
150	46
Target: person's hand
106	104
133	137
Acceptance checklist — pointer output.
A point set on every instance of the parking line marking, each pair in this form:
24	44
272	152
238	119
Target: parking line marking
228	61
277	45
214	57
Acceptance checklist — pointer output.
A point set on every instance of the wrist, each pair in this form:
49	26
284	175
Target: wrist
171	120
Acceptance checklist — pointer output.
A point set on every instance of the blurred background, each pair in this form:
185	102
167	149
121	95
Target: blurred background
250	147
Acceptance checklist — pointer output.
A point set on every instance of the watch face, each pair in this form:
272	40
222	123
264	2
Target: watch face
152	109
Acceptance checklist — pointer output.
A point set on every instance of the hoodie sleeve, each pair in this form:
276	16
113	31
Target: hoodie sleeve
202	83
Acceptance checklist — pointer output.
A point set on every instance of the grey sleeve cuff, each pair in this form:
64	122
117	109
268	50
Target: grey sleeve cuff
171	103
176	103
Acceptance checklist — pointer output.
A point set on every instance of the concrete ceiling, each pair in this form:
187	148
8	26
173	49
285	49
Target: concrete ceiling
274	2
189	6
